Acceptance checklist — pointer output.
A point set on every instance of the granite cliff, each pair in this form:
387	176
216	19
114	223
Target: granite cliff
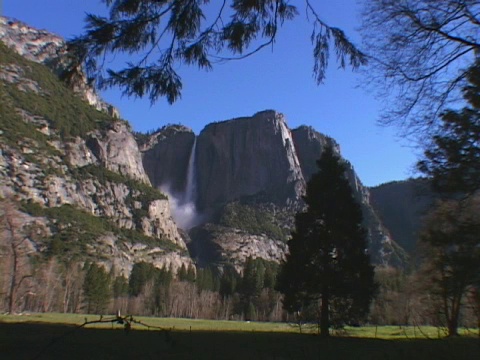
72	167
249	177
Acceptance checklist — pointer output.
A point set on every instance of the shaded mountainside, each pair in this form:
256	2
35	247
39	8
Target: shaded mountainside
401	206
74	169
171	147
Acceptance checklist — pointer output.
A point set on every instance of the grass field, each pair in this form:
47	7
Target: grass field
55	336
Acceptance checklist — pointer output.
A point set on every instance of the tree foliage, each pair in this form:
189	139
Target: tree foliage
452	161
419	52
96	288
165	34
452	241
327	262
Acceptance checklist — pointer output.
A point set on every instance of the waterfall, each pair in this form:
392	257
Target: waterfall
182	205
191	187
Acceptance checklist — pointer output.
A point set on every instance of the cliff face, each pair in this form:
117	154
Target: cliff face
166	156
76	169
309	145
247	157
250	174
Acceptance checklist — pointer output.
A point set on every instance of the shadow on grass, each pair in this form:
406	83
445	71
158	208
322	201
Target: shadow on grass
40	341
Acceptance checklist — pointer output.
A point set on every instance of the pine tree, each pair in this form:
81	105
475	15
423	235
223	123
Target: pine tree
141	273
328	266
251	285
120	286
96	288
228	282
191	273
182	273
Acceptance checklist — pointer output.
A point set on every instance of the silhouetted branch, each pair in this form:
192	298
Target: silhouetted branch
126	321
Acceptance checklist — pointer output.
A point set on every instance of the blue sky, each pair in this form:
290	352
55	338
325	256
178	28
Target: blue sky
278	78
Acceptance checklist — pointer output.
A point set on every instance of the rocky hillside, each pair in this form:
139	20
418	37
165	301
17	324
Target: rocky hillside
248	175
74	167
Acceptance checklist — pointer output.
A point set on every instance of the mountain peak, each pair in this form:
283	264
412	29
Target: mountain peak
36	45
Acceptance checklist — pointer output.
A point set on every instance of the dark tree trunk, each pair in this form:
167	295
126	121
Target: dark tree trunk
452	327
324	315
452	320
12	297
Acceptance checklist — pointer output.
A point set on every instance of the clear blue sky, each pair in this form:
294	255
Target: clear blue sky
278	78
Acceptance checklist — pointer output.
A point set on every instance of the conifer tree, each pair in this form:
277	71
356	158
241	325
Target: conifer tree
328	267
141	273
96	288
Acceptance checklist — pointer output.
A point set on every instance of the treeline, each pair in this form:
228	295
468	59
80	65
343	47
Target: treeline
403	298
51	286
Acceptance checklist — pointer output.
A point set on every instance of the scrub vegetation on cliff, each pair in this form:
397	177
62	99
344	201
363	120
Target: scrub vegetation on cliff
41	100
253	219
74	229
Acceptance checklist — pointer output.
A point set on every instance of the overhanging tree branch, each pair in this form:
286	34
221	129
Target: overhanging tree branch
199	32
420	51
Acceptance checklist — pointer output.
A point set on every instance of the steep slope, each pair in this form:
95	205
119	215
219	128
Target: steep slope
49	49
401	206
309	145
76	169
171	147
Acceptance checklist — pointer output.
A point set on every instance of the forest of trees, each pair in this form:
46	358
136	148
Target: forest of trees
403	298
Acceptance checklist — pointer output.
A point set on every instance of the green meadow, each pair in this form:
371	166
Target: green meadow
61	336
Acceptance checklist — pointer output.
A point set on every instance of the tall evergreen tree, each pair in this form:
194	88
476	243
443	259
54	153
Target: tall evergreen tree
142	272
328	266
251	285
228	281
96	288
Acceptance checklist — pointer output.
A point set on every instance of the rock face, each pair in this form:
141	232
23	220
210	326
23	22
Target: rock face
253	169
166	155
246	157
85	182
309	145
116	149
215	244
